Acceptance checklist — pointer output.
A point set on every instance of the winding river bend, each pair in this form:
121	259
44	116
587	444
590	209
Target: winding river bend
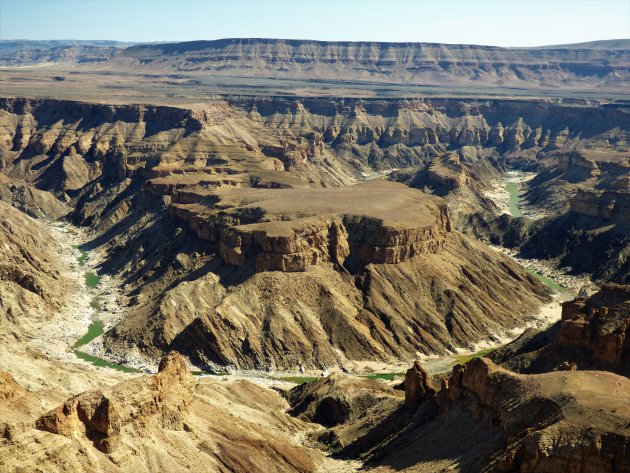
511	200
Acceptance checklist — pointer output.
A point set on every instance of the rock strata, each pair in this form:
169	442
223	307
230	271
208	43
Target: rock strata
486	418
288	230
594	333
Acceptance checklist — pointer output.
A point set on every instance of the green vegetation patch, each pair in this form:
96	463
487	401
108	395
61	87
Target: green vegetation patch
92	280
385	376
96	304
96	329
83	257
206	373
104	363
462	359
295	379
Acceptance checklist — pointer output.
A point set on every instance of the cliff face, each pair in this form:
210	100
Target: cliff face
274	142
412	62
31	276
610	206
542	431
482	418
288	230
584	189
594	333
103	416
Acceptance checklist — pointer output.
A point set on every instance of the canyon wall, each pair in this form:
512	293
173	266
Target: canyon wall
264	185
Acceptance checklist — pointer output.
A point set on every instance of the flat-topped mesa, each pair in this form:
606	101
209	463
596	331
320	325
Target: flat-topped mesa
291	229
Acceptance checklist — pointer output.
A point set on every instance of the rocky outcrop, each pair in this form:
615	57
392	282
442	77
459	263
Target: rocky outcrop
447	174
152	424
599	325
577	166
613	206
543	431
31	283
103	416
486	418
594	333
338	399
30	200
418	385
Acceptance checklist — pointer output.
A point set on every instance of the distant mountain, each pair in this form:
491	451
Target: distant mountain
602	44
24	52
409	63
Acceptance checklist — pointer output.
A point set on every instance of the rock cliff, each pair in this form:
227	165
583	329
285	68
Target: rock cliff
593	334
486	418
611	206
103	416
288	230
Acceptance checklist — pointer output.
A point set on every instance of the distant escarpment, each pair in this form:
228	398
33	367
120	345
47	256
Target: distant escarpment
394	62
327	67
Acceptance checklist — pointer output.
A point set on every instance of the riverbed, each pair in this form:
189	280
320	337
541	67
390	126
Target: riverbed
507	194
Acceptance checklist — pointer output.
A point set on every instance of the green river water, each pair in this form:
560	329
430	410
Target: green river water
515	211
515	199
96	328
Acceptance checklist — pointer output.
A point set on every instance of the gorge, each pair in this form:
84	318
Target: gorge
173	265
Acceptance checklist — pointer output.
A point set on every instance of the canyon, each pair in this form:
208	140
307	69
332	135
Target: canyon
261	269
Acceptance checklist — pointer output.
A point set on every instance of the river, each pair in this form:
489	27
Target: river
507	195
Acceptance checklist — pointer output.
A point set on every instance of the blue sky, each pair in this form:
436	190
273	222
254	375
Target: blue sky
493	22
